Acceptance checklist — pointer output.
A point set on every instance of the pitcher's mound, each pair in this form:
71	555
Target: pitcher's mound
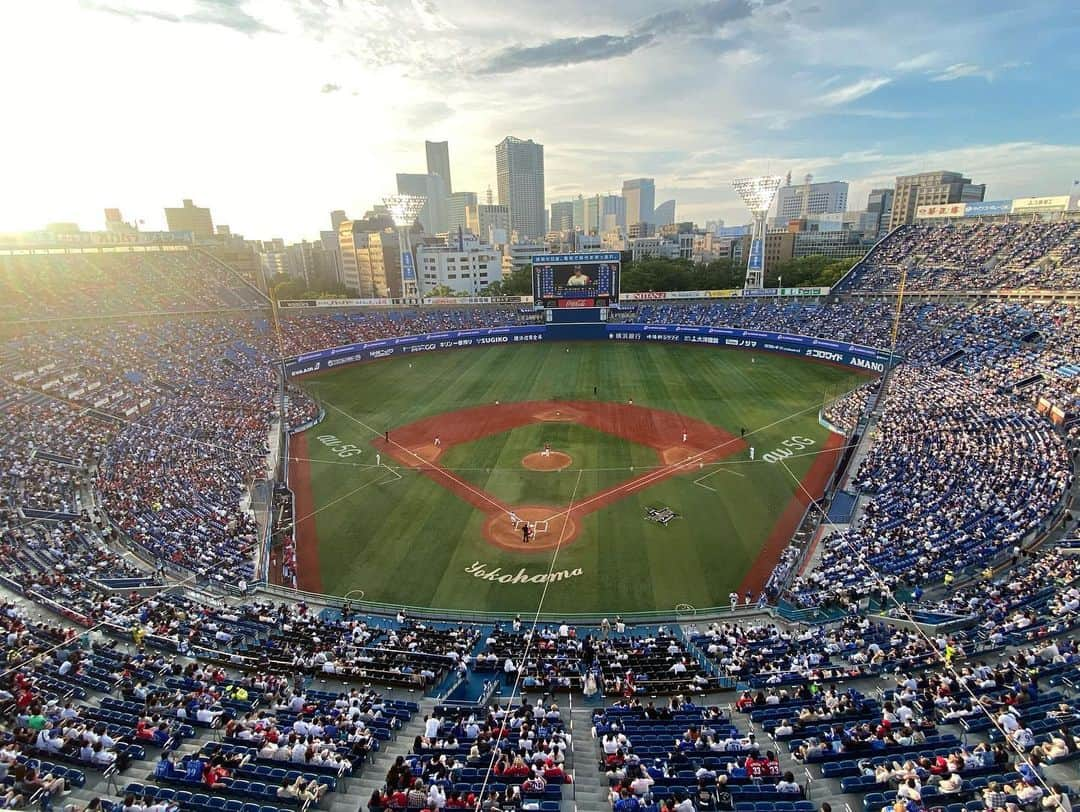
560	414
549	525
555	461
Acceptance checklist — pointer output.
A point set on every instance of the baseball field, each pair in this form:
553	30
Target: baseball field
629	465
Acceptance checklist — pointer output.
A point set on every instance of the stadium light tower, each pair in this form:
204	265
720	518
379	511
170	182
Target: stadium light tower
404	209
757	194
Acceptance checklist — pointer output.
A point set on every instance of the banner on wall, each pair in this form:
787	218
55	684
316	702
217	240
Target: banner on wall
387	302
1035	205
852	355
730	293
940	210
988	208
408	270
757	255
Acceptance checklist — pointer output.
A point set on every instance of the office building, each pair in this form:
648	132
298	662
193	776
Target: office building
808	199
519	166
191	218
664	214
779	247
612	212
640	197
562	215
432	217
839	244
640	230
930	189
337	217
465	270
490	222
517	256
457	205
329	260
438	162
364	245
300	261
880	202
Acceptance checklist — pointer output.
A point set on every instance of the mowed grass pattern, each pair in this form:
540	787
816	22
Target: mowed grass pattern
408	541
493	463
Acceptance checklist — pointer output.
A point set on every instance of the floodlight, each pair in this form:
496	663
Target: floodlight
404	209
758	193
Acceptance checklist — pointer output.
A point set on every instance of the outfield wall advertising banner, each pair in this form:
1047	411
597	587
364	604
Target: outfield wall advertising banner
731	293
1034	205
988	208
853	355
940	210
385	302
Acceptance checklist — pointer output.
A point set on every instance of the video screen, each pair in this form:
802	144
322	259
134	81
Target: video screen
577	280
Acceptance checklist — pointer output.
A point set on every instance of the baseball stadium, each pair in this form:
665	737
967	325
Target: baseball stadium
526	482
774	551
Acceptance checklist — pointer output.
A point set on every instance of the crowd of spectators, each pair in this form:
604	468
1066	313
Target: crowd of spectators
79	284
957	474
973	255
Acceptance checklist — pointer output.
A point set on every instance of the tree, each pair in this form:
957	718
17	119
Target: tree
442	290
517	283
812	271
283	286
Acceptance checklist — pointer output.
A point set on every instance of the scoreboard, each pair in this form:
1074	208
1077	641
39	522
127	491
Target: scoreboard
589	279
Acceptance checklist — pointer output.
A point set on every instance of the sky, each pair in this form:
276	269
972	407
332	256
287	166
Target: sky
274	112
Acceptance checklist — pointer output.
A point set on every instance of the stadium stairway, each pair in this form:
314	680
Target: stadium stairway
590	788
373	776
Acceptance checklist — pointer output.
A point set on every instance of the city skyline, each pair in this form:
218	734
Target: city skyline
116	112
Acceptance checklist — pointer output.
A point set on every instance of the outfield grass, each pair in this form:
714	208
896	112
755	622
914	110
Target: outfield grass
407	540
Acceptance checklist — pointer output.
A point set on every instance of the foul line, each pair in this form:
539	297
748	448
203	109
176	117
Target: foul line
699	482
662	472
423	463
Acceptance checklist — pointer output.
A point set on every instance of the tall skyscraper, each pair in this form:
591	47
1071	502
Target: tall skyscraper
438	161
433	216
640	196
337	217
457	205
191	218
519	166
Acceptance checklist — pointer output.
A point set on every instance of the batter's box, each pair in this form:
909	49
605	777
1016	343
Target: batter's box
540	526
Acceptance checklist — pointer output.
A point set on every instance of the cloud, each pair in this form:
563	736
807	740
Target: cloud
966	70
427	13
962	70
921	62
330	87
704	18
849	93
699	20
565	51
225	13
